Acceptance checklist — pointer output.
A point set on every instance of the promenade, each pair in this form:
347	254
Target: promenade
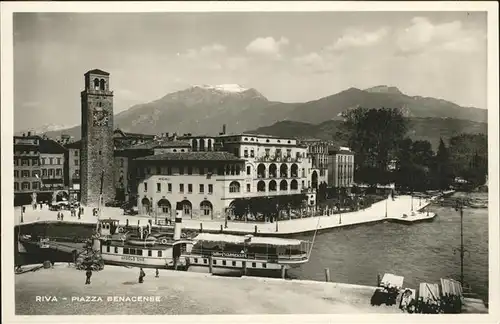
185	293
189	293
399	209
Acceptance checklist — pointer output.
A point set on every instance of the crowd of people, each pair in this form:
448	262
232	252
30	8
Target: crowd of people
447	304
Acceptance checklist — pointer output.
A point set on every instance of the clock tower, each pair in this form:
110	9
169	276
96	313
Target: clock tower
96	158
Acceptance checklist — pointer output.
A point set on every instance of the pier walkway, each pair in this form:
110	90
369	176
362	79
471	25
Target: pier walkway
399	209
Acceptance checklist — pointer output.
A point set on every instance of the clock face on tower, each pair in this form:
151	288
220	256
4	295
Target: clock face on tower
101	118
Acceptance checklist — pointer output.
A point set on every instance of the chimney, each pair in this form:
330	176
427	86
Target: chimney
167	134
24	134
174	137
224	129
189	134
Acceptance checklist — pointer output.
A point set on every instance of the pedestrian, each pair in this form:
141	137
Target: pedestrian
41	205
141	276
79	214
157	273
58	215
88	274
62	216
24	209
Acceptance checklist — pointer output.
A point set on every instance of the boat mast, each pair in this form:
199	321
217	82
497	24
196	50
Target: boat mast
460	207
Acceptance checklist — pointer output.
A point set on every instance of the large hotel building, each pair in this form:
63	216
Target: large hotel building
208	176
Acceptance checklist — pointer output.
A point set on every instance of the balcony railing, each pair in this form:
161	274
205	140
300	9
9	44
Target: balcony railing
282	159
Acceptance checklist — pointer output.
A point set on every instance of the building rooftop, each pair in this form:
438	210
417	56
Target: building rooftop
161	143
50	146
97	71
193	156
136	135
74	145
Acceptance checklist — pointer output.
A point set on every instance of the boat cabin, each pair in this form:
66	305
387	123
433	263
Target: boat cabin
249	247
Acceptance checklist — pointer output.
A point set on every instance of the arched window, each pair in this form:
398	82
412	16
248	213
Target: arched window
96	84
272	170
234	186
249	170
284	171
261	171
164	207
283	185
102	85
294	171
272	185
202	144
206	208
194	144
209	145
261	186
294	185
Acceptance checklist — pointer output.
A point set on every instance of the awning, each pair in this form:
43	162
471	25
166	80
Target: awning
391	280
428	291
451	287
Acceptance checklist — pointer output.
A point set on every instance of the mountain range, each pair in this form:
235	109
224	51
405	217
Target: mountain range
203	109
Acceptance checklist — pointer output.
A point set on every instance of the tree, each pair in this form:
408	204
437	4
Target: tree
443	174
373	134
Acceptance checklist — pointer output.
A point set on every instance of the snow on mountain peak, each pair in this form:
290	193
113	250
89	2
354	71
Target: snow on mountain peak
233	88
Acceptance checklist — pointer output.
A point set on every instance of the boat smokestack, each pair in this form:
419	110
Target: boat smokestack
178	222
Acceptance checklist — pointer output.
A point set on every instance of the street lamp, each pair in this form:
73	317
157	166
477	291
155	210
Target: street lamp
386	206
460	207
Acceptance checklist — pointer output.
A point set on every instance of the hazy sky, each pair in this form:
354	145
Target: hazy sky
288	57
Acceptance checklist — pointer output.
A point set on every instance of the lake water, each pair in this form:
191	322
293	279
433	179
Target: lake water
422	252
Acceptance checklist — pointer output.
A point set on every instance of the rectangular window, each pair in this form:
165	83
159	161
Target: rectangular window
252	153
254	264
181	170
59	161
25	162
131	251
190	188
44	172
51	161
210	189
26	185
202	188
181	187
125	251
214	261
223	262
58	172
237	152
169	187
138	252
76	161
51	172
195	260
35	185
116	247
158	187
159	254
108	248
169	170
43	161
205	261
16	174
16	186
150	253
264	265
34	162
76	152
202	171
25	173
145	186
190	170
248	187
245	153
234	263
267	152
